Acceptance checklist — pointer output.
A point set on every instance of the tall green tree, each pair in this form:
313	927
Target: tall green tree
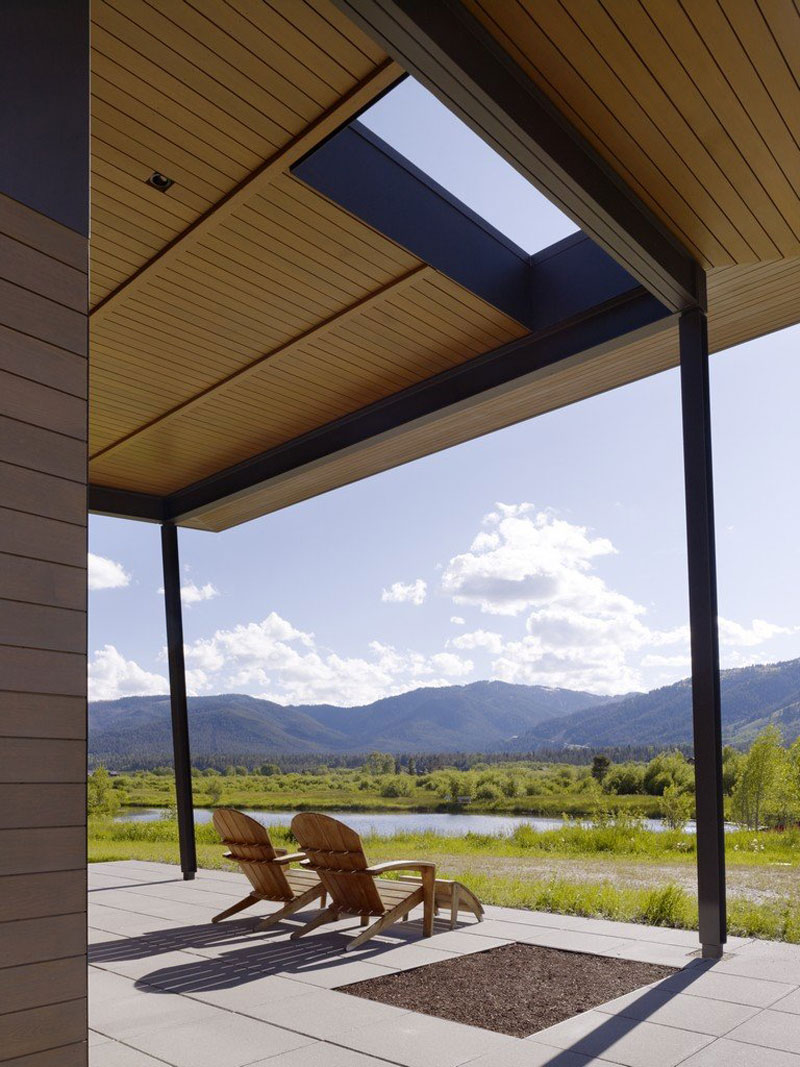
101	796
600	767
761	780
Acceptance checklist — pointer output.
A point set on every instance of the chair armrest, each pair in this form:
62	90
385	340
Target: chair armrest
281	851
401	865
293	857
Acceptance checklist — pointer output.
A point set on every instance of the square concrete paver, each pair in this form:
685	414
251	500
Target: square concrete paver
712	1017
790	1003
773	1029
764	959
711	983
112	1054
337	973
271	989
139	1010
460	942
534	1054
727	1053
415	1040
324	1013
223	1040
321	1054
627	1041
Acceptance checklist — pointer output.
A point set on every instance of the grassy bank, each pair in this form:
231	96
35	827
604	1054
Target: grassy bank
552	806
547	792
495	867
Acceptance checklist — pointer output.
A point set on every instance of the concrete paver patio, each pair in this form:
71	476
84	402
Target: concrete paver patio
167	987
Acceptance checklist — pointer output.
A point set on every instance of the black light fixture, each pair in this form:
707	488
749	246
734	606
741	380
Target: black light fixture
160	181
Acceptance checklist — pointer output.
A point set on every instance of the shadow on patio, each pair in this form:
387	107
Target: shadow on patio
245	958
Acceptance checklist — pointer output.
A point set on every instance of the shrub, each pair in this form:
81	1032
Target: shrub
668	768
396	785
101	796
624	779
676	808
488	791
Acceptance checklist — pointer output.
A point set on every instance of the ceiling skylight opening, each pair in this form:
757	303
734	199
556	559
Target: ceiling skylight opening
419	127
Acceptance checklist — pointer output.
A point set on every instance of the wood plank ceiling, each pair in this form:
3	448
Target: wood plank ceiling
240	309
693	104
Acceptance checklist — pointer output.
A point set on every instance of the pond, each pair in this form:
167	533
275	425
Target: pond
387	823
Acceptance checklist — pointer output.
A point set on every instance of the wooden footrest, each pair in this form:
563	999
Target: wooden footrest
452	895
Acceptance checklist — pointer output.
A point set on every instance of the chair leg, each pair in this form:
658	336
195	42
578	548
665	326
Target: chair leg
428	899
329	915
364	920
289	909
240	905
454	902
387	919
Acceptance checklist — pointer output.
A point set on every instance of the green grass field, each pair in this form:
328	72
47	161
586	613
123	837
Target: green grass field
575	870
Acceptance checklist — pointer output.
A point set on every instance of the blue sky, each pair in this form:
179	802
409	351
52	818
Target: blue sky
552	552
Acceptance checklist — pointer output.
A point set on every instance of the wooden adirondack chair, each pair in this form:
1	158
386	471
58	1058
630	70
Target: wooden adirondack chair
266	868
335	853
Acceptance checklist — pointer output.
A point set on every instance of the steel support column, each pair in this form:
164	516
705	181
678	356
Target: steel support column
701	545
177	692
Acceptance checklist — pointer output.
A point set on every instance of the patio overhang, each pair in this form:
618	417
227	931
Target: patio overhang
335	312
264	328
279	323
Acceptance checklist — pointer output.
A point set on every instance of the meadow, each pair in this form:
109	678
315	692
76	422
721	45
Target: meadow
380	784
603	860
616	869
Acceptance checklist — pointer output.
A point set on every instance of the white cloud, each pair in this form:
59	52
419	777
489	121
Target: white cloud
112	676
452	666
457	620
275	660
106	573
406	593
656	660
580	633
523	559
485	639
191	593
735	635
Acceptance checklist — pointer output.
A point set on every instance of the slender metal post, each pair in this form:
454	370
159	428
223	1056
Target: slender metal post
177	692
696	407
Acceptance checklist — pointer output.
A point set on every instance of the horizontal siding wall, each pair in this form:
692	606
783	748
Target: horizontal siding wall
43	415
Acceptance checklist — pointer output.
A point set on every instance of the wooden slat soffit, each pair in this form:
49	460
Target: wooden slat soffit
693	105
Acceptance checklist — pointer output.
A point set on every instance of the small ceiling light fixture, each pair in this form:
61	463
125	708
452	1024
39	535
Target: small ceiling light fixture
160	181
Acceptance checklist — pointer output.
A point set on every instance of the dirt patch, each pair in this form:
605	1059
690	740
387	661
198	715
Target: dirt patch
515	989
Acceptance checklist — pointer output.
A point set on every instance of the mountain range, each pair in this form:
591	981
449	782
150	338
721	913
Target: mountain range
479	717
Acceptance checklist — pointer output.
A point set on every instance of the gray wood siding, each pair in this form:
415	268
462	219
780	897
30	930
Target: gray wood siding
43	420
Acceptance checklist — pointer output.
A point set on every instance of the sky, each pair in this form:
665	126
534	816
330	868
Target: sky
549	553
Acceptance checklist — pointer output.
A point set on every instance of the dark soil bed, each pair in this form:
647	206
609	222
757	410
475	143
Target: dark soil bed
515	989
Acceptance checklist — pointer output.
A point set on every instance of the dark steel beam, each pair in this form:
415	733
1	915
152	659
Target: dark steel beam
178	703
451	53
123	504
506	366
364	175
372	181
701	545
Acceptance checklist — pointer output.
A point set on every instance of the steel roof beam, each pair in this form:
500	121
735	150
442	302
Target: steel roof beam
452	54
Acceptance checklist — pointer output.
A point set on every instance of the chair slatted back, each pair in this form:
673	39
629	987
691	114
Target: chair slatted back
335	852
249	844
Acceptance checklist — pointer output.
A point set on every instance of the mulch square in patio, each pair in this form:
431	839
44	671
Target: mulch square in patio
514	989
